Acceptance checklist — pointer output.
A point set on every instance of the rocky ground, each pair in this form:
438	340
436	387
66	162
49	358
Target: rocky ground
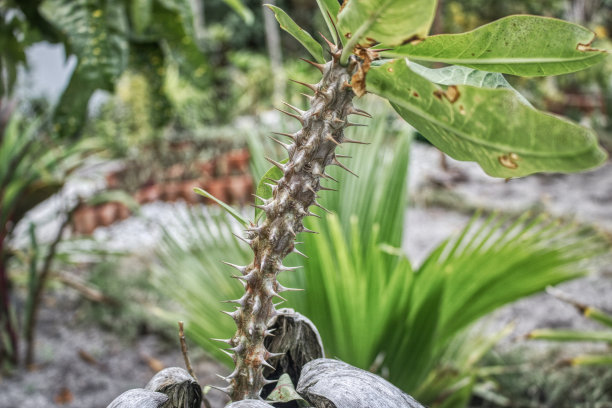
82	365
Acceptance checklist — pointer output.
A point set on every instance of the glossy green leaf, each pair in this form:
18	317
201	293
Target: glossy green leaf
241	9
265	191
489	126
458	75
592	360
284	392
237	216
390	22
96	33
517	45
287	24
329	10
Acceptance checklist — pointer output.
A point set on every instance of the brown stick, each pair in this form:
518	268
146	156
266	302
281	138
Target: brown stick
185	351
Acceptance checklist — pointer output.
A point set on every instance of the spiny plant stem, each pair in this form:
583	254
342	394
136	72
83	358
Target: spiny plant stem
312	149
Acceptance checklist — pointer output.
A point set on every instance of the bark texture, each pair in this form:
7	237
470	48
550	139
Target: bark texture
139	398
180	387
311	150
249	404
330	383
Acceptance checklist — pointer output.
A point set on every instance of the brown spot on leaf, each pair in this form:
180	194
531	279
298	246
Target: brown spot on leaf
414	40
358	80
509	160
461	110
587	47
347	35
415	94
451	94
390	69
343	5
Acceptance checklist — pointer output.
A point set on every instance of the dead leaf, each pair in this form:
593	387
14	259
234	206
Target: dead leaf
153	363
358	80
64	396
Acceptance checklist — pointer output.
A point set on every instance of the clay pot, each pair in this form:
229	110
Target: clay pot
112	180
171	191
187	193
106	214
218	188
149	194
122	211
207	169
238	161
240	188
84	220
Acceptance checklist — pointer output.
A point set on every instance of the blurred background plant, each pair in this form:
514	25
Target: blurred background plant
371	306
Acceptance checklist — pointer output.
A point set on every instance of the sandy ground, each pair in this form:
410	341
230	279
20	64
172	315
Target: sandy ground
64	347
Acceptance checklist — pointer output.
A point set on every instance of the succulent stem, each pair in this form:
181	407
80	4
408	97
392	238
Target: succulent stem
310	153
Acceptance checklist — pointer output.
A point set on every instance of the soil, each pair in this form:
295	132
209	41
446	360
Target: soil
82	365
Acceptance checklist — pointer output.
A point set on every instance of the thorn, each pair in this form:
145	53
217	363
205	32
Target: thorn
261	198
326	188
226	390
301	112
278	304
343	156
272	186
308	213
277	164
273	355
328	177
312	190
291	231
309	231
226	341
313	88
346	85
284	268
236	301
321	207
284	145
242	239
360	112
337	120
242	269
318	66
222	377
349	124
266	381
342	166
334	25
331	139
272	180
230	314
285	134
310	97
297	251
281	288
331	45
240	279
299	118
346	140
269	332
227	353
266	364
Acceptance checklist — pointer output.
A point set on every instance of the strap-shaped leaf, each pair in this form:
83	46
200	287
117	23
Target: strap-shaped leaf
490	126
391	22
329	10
287	24
237	216
517	45
457	75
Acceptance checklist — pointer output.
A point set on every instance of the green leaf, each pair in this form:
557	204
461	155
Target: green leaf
489	126
517	45
241	9
457	75
390	22
330	8
96	33
226	207
287	24
265	191
592	360
141	13
285	392
570	335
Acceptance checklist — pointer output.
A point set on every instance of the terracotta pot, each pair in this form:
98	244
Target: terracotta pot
149	193
122	210
218	188
238	161
112	180
187	193
84	220
221	166
106	214
207	169
240	188
171	191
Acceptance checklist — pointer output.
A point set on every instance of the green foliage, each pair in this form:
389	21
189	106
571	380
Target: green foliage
517	45
490	126
372	308
287	24
593	313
